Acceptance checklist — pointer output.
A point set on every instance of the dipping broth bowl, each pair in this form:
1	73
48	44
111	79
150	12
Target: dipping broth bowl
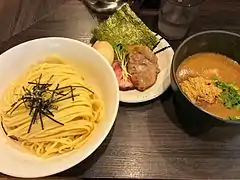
226	43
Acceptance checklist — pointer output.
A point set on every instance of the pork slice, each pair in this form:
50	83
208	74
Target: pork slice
124	85
143	67
146	51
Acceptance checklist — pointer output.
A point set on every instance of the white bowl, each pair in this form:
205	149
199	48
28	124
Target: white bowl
94	68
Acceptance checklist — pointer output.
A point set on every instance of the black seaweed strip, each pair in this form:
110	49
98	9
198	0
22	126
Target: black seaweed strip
84	88
4	130
162	49
51	118
61	99
40	117
17	107
72	93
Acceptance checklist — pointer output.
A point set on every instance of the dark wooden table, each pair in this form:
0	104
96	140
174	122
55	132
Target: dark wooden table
147	140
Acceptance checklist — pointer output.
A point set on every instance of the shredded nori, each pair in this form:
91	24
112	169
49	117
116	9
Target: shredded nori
40	100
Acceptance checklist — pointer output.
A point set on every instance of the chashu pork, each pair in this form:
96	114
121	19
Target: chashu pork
143	67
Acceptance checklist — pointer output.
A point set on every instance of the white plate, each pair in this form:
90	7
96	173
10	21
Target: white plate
163	79
96	71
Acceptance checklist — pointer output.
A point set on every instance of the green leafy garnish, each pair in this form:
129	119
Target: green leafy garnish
124	27
230	95
234	118
122	57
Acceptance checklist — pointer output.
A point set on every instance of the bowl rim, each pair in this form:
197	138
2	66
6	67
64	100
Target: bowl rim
173	66
104	133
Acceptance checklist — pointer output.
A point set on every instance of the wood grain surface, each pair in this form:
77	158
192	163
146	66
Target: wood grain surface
147	140
17	15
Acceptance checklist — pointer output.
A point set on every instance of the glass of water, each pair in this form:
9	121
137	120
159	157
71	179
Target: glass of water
176	16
